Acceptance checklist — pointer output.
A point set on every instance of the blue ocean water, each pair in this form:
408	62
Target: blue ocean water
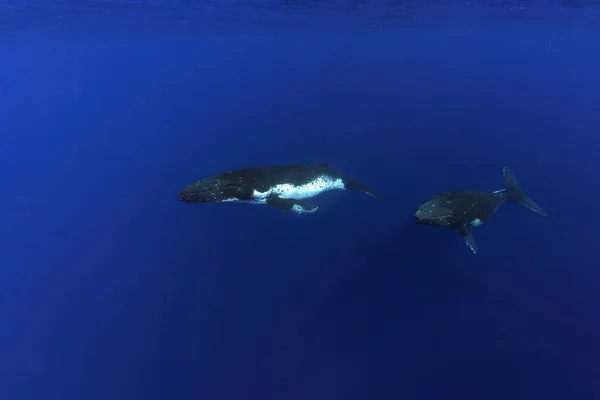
111	288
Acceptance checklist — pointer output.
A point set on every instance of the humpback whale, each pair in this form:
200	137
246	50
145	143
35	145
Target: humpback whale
285	187
463	210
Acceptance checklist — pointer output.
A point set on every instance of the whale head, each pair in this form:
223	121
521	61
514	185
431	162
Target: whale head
435	213
214	189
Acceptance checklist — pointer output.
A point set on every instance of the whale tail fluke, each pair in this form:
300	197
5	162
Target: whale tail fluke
513	192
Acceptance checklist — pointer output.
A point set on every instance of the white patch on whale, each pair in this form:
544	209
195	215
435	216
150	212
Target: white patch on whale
476	222
310	189
287	191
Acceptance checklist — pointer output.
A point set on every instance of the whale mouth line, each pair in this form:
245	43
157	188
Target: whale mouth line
419	217
196	194
441	216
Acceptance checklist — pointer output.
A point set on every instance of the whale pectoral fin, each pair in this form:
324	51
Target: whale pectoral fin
466	232
303	208
297	206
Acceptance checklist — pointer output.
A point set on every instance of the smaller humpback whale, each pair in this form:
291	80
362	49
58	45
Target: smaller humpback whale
462	210
284	186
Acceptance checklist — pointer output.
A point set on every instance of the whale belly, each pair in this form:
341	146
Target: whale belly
304	191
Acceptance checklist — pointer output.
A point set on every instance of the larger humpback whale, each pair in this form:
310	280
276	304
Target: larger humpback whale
281	186
462	210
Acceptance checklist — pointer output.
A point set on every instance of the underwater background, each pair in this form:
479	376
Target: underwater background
111	288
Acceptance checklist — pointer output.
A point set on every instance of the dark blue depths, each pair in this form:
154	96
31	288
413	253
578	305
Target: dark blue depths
113	289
